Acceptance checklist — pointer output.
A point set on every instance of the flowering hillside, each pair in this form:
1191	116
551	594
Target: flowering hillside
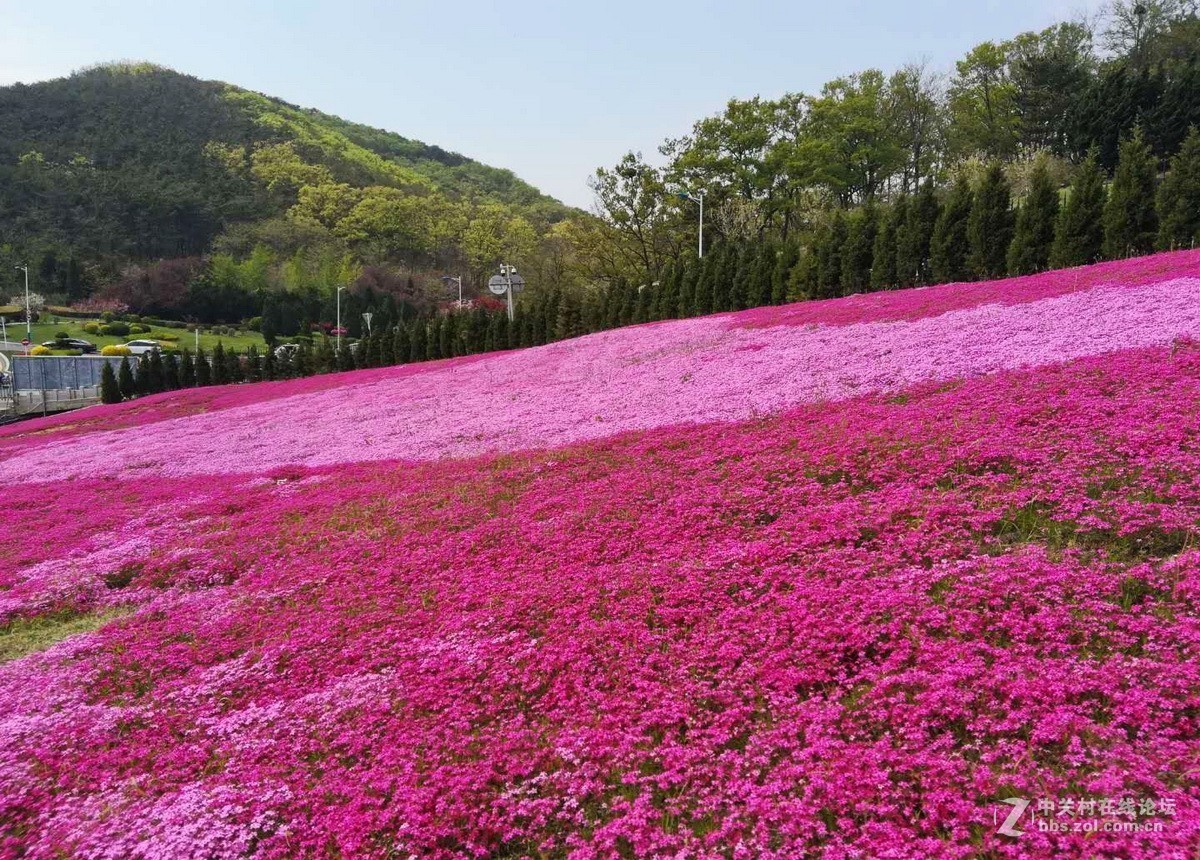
833	578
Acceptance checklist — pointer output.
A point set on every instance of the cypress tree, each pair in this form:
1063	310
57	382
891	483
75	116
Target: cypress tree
732	278
157	373
401	347
1179	197
687	289
989	229
762	274
187	371
254	364
829	265
270	365
914	235
125	381
667	298
171	375
859	250
883	257
1033	235
220	369
301	361
1079	237
417	340
1130	222
781	278
110	392
234	372
949	246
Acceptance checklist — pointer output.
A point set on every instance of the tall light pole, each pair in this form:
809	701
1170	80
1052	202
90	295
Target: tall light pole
28	310
507	272
698	197
447	279
339	321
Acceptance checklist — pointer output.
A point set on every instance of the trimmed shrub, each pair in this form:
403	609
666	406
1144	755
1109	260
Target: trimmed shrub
91	327
115	349
40	350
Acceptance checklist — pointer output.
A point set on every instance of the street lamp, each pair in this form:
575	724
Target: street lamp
367	319
507	272
698	197
28	311
447	279
339	321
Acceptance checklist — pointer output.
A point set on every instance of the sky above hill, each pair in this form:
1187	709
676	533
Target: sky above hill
549	90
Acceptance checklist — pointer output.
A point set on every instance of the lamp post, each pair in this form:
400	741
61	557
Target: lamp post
698	197
507	273
447	279
367	319
28	310
338	328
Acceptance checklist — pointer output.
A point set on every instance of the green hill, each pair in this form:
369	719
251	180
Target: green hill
133	162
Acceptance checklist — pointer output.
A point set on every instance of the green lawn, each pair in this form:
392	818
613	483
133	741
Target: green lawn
27	635
44	331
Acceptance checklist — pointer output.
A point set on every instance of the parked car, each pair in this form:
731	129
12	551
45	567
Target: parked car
141	347
71	343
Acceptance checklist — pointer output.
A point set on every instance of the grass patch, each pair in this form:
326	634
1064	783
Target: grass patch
30	635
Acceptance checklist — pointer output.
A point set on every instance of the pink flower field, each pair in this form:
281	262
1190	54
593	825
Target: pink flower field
834	579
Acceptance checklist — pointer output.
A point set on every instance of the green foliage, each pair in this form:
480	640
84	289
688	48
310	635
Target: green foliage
1179	197
883	266
1130	222
990	226
949	246
858	251
125	381
1033	234
913	237
110	391
1079	237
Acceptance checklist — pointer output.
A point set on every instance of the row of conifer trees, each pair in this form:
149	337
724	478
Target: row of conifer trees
966	233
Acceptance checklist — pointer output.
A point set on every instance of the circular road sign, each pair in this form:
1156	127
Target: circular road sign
25	341
498	285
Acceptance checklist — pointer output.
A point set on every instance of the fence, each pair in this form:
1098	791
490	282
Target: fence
59	372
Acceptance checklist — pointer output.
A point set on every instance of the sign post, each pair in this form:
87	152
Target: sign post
507	283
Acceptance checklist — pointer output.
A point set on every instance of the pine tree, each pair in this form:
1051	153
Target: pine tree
220	369
1033	235
989	229
171	374
270	365
883	258
687	289
401	346
302	361
156	373
125	381
1179	197
913	237
781	278
254	363
110	391
829	261
1130	222
667	293
234	372
762	273
702	298
949	246
859	249
417	337
187	371
1079	236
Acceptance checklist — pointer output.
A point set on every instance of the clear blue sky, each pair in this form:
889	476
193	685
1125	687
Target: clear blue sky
550	90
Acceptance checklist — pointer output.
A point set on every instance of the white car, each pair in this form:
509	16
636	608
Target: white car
141	347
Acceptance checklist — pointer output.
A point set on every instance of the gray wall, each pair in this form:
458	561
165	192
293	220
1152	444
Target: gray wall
51	372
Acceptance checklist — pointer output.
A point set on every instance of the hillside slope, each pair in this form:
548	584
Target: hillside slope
119	160
835	577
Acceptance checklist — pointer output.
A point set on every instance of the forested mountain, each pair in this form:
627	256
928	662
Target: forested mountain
131	163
